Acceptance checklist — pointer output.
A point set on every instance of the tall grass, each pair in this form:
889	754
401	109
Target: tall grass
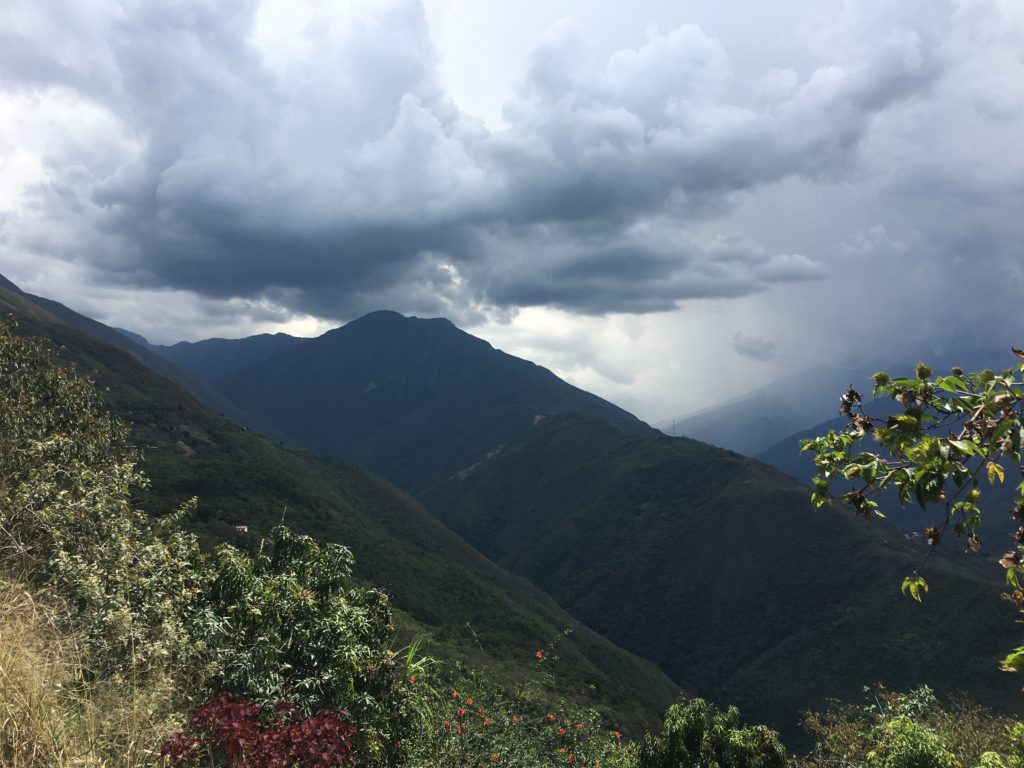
53	712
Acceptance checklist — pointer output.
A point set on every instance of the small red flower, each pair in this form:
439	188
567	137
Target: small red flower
494	758
469	702
561	730
551	717
455	694
579	726
487	721
618	736
539	654
412	678
447	725
572	758
460	712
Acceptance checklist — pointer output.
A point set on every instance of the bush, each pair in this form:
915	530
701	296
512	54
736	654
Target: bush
66	519
907	730
694	736
470	719
230	733
284	626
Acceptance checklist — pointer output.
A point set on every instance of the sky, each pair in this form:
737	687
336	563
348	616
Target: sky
666	203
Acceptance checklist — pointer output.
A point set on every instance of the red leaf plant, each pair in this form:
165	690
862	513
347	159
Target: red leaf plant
233	734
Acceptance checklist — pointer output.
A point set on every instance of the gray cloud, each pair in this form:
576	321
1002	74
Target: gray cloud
753	347
339	178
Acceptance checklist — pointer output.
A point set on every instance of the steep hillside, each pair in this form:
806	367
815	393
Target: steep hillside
717	568
130	343
472	607
415	400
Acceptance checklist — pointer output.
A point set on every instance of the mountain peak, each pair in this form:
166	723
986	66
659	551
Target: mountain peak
388	318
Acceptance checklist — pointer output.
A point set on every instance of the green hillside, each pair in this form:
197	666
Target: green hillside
472	607
717	568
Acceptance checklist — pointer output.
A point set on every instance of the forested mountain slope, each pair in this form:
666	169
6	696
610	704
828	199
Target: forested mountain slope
473	608
717	568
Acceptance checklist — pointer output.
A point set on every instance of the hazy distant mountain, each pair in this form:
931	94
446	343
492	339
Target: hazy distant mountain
472	607
415	400
752	423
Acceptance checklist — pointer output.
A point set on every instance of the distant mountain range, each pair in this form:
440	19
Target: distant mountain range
706	562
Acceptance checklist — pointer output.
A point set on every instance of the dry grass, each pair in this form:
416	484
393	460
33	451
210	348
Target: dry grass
52	715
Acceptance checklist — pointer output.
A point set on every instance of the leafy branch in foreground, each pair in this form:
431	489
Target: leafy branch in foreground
949	434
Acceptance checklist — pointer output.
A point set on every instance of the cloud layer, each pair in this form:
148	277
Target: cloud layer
286	161
323	167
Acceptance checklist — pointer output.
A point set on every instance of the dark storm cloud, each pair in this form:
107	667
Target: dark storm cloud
340	177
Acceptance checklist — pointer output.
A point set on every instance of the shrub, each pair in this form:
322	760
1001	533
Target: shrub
230	733
694	736
906	730
66	519
285	626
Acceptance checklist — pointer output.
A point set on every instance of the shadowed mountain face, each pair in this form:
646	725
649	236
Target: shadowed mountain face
415	400
717	568
472	608
217	359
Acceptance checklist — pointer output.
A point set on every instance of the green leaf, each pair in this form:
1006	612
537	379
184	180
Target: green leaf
1014	662
965	447
914	584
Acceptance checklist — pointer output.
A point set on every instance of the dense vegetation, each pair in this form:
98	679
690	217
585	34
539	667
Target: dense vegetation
731	582
471	609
